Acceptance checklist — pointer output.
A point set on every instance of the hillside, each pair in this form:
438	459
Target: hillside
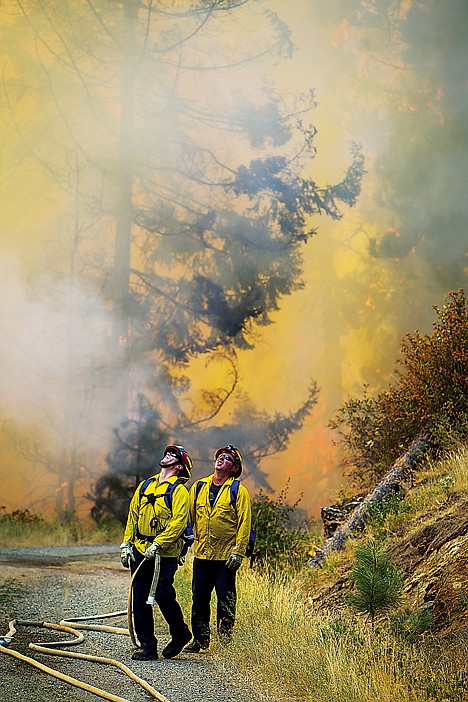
426	534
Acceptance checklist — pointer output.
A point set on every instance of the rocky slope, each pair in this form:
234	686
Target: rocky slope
431	552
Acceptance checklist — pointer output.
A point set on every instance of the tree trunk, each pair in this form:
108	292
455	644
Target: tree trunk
123	216
389	485
65	490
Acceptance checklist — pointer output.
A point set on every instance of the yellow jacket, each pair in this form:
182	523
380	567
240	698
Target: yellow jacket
148	520
223	529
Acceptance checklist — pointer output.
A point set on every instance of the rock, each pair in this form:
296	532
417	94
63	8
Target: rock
334	515
435	558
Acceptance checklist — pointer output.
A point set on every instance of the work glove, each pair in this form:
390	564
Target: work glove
152	550
126	553
234	561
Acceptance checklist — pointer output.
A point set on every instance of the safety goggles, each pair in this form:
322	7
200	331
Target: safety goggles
225	457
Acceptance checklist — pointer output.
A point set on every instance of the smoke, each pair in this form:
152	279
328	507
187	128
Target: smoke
368	279
53	332
54	356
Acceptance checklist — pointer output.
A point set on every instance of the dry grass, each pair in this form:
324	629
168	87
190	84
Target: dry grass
21	529
297	653
439	482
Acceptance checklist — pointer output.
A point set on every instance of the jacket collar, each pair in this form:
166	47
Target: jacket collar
229	481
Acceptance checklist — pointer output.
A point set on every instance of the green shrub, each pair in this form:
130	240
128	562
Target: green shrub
279	541
411	625
385	516
21	518
431	392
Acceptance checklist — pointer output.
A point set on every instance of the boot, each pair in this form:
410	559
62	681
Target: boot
195	647
175	645
145	654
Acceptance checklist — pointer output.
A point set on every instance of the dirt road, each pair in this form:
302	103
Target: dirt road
64	582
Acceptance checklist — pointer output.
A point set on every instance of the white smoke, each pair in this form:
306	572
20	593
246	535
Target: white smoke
54	353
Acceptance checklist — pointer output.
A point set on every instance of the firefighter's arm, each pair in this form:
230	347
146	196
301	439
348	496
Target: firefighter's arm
175	527
244	521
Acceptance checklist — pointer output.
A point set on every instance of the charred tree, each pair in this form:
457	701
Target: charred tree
392	482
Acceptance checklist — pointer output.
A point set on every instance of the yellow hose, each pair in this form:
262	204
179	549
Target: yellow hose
91	627
70	627
62	676
50	650
131	630
79	638
75	622
108	615
105	661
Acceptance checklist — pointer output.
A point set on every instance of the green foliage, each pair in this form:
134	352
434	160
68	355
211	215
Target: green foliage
447	482
110	495
279	541
431	392
139	442
378	585
410	626
386	514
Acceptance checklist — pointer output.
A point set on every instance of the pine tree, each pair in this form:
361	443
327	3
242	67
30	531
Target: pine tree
377	582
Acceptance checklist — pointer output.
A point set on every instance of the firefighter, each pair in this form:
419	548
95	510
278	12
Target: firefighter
157	520
220	514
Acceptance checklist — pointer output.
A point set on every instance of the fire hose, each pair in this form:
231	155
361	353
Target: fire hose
70	626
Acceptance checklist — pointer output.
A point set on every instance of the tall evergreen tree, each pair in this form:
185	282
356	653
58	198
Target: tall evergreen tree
184	169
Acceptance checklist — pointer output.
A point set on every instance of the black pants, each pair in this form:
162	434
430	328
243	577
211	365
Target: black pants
165	598
209	575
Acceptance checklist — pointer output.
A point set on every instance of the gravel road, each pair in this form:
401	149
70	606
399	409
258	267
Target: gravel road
67	582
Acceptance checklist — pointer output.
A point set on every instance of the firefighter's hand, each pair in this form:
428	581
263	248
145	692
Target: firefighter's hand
152	550
234	561
126	553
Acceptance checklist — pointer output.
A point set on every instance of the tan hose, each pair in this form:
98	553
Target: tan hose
108	615
75	622
131	630
50	649
62	676
96	627
79	638
105	661
70	627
